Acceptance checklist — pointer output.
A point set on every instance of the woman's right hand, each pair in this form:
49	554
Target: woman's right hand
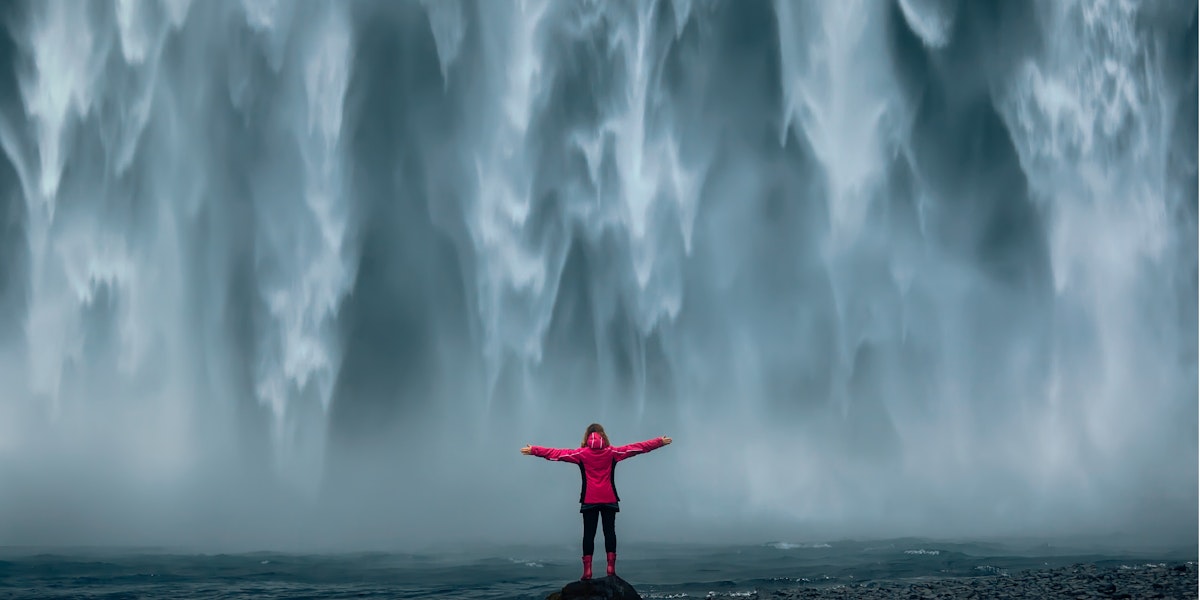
666	440
527	450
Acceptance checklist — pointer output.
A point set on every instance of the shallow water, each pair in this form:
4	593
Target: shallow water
658	571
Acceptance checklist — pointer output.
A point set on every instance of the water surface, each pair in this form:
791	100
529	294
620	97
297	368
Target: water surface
658	571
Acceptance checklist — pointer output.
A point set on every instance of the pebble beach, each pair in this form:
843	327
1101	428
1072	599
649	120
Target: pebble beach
1155	580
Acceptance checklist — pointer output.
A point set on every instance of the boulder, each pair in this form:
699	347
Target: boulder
606	588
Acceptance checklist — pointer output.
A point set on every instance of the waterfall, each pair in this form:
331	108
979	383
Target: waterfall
881	268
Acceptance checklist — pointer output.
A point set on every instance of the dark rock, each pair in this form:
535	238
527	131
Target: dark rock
1166	581
607	588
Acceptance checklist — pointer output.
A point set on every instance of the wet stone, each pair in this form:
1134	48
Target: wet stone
1077	581
606	588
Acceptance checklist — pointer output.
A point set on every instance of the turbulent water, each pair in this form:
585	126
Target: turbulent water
287	274
531	573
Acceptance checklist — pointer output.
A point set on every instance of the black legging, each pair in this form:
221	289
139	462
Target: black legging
589	530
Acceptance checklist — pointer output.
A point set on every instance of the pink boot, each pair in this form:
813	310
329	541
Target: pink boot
587	567
612	563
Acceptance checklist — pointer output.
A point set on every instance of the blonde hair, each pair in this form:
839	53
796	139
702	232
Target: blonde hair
595	428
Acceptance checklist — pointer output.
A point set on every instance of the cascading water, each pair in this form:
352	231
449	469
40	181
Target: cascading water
924	267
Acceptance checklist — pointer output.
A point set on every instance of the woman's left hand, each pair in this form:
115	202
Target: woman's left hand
527	450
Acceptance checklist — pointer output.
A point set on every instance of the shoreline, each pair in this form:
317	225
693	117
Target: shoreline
1152	580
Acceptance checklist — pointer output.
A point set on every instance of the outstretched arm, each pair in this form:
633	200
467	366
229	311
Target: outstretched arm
631	450
570	455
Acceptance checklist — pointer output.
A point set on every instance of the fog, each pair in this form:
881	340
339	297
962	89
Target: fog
306	276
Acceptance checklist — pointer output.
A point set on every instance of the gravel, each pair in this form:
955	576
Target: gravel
1160	580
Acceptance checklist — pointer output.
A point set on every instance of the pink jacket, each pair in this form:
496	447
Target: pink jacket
597	464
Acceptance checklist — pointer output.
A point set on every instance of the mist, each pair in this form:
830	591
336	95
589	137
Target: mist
300	275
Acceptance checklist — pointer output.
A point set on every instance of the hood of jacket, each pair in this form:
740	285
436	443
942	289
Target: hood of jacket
595	441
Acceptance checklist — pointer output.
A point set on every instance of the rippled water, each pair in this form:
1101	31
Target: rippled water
657	571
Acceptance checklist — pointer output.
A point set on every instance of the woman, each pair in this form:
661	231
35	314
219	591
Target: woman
597	460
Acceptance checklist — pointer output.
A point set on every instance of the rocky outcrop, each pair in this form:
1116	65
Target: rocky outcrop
606	588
